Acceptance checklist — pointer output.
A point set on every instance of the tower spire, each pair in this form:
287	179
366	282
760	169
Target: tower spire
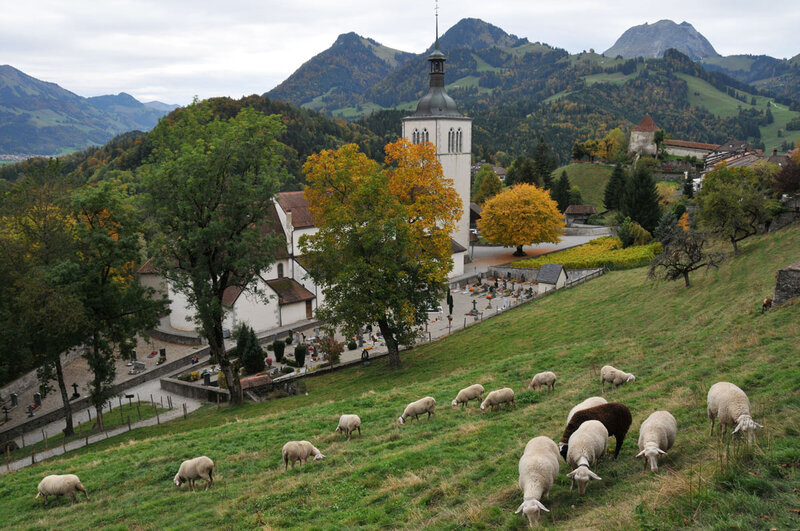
436	10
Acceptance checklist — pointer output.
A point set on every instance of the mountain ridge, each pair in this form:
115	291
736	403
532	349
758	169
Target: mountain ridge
652	40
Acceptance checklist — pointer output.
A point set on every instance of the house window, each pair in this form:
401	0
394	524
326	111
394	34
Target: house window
280	270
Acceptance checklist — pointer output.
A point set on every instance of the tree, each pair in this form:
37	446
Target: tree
575	197
560	193
613	146
658	138
331	349
731	205
485	170
787	181
209	188
683	254
521	171
667	227
116	307
522	215
490	185
640	198
544	164
248	350
615	188
389	228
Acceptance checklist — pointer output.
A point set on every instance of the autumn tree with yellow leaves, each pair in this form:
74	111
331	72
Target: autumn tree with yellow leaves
382	253
522	215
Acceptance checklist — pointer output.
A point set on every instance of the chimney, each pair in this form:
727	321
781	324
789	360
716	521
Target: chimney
289	220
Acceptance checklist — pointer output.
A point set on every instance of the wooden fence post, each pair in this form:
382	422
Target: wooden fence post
157	417
129	423
184	411
46	440
33	456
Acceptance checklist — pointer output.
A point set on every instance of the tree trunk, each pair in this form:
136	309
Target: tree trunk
686	278
216	344
99	421
62	386
519	251
735	246
391	344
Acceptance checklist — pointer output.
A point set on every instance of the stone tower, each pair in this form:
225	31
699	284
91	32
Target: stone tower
643	137
438	121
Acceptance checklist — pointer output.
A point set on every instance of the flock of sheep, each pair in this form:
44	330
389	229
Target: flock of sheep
584	441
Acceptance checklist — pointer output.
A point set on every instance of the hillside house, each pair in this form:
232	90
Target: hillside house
550	277
684	148
578	214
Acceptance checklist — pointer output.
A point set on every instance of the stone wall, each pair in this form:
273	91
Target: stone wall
787	286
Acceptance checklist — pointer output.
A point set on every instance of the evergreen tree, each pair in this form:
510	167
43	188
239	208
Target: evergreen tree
640	199
560	193
575	197
250	354
614	188
544	164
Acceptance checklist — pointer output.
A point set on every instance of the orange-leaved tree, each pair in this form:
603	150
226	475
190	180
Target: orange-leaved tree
522	215
382	252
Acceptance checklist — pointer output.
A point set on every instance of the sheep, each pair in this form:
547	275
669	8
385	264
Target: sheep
299	451
614	376
586	446
415	409
193	469
538	468
348	424
548	379
61	485
589	402
498	397
656	436
730	404
615	417
467	394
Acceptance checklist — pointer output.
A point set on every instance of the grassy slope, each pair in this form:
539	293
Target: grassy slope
460	469
590	178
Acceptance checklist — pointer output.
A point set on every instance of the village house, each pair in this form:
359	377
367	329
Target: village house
550	277
578	214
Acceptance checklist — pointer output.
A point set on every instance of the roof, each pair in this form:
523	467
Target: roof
692	145
231	295
289	291
148	268
732	145
580	209
739	161
436	102
272	226
549	273
476	209
646	125
295	203
456	247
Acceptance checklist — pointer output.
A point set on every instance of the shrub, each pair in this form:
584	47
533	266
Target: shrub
300	352
601	252
332	349
221	383
289	337
352	345
194	376
279	347
631	233
286	370
249	352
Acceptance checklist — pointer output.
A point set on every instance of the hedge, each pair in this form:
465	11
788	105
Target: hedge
602	252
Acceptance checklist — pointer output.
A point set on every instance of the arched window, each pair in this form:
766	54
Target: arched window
425	137
458	140
280	270
451	141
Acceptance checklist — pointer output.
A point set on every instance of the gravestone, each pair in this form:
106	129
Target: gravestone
37	399
14	400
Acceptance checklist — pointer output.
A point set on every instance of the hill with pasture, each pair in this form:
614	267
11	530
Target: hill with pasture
460	468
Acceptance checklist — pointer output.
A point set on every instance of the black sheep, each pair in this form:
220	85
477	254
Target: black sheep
615	417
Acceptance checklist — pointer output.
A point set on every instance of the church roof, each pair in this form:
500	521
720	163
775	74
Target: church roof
289	291
647	125
297	204
437	103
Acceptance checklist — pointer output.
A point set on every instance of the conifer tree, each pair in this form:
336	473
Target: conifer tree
614	188
560	192
640	199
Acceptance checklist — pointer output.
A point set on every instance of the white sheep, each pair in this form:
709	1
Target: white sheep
61	485
193	469
496	398
538	468
299	451
348	424
547	379
586	404
586	445
415	409
656	436
467	394
614	376
731	405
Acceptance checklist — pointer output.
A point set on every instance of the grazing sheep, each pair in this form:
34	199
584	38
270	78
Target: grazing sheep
499	397
299	451
547	379
614	376
586	446
63	485
193	469
589	402
615	417
415	409
656	436
348	424
730	404
538	468
467	394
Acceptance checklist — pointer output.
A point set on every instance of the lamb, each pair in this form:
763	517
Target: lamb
299	451
498	397
348	424
193	469
731	405
656	436
61	485
589	402
538	468
467	394
614	376
415	409
615	417
586	446
548	379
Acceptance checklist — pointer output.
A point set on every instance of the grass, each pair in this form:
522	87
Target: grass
590	178
460	469
617	78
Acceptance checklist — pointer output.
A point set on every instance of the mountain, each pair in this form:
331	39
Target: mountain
159	106
476	34
780	78
652	40
37	117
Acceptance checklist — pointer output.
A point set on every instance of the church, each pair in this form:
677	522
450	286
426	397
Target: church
292	294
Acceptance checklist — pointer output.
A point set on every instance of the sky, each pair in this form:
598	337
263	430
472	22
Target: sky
173	50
